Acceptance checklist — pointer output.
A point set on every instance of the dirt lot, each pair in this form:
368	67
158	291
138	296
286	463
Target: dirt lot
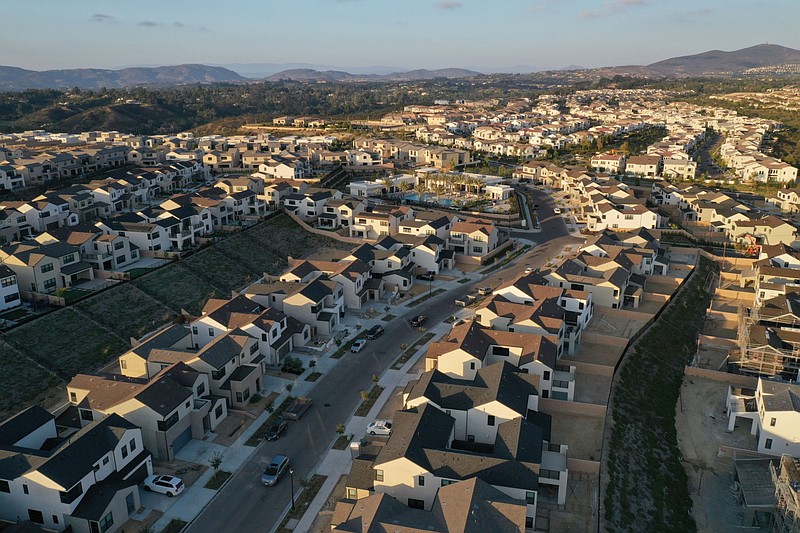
599	354
591	388
583	435
702	428
615	325
720	328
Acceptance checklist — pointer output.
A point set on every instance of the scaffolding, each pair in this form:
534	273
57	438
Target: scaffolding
786	476
777	355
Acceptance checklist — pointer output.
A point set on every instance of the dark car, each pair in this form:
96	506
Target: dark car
275	430
426	277
418	320
374	332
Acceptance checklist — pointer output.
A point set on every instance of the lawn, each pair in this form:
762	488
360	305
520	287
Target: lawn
314	376
647	486
259	434
342	441
427	296
66	343
23	382
175	526
217	480
409	352
177	288
127	311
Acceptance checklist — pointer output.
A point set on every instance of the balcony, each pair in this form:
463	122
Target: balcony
97	257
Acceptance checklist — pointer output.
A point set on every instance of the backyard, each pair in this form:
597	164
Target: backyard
23	382
177	288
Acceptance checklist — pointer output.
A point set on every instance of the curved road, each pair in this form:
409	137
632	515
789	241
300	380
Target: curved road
244	504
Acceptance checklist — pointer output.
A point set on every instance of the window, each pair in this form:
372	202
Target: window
35	516
8	282
446	482
69	258
528	522
123	364
421	481
490	420
773	421
416	504
106	523
218	412
546	375
105	460
210	332
4	486
194	330
201	388
477	249
472	366
55	519
86	415
47	268
73	397
239	397
124	452
132	444
378	475
352	494
50	283
25	488
188	404
164	425
768	444
218	374
530	497
119	245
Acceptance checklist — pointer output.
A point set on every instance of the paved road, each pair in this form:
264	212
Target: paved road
244	504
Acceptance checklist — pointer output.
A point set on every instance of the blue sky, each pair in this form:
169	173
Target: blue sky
487	34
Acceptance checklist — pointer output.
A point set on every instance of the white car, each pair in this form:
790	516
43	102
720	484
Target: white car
529	270
380	427
358	345
169	485
557	210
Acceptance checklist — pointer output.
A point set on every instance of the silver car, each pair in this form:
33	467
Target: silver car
276	469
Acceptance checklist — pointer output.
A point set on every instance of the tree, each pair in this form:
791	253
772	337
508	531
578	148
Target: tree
215	461
289	387
340	428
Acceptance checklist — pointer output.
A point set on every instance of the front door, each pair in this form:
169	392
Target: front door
129	503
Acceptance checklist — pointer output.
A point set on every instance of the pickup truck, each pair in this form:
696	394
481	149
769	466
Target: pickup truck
297	408
465	300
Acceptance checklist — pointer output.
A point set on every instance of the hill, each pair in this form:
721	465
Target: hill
311	75
16	79
134	118
718	62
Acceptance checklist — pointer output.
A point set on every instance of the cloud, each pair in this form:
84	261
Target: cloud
149	24
101	17
448	5
610	8
203	28
177	24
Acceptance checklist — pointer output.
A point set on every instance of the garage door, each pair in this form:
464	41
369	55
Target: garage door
181	440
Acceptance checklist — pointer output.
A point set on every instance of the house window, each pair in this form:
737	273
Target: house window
218	374
547	375
104	524
119	245
239	397
352	494
73	397
123	364
164	425
472	366
86	415
378	475
35	516
201	388
25	489
446	482
124	452
416	504
72	494
768	444
105	460
55	519
218	411
490	420
421	481
210	332
194	330
773	421
477	249
50	283
132	444
47	268
528	522
8	282
4	486
69	259
530	497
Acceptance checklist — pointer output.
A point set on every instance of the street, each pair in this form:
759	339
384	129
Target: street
244	504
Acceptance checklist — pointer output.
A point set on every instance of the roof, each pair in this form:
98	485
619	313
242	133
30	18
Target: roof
23	424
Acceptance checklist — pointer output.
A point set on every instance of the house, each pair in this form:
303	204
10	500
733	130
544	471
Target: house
423	455
318	303
607	281
44	268
474	238
427	223
9	289
69	478
769	230
627	216
644	165
774	413
354	276
470	346
611	163
470	505
171	409
428	252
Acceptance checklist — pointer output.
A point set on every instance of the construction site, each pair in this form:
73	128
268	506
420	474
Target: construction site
786	476
768	340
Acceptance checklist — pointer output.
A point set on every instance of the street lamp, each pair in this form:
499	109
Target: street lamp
430	283
291	485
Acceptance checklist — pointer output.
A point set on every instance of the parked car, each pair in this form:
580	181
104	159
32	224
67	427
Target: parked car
358	345
529	270
276	469
374	332
465	300
556	210
275	430
380	427
418	320
426	277
169	485
483	291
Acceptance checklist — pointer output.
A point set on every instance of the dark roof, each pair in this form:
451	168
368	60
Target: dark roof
23	424
415	430
94	504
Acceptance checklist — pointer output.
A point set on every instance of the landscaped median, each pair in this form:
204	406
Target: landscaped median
310	489
256	438
409	352
647	487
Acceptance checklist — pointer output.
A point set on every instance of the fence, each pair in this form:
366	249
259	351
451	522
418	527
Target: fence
724	377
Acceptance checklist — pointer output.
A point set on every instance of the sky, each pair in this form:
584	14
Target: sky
488	35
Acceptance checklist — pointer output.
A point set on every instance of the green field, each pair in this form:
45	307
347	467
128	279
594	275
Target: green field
23	382
220	270
177	288
66	343
127	311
